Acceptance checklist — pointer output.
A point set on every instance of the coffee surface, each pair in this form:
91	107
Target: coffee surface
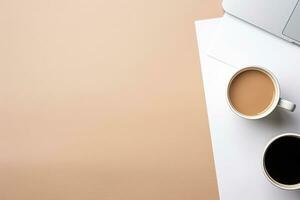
282	160
251	92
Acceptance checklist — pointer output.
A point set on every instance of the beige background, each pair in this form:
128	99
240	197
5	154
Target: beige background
103	100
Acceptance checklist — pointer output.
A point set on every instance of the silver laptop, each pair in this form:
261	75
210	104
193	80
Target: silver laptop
279	17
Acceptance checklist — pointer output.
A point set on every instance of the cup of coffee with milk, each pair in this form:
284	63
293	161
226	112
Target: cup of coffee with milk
254	93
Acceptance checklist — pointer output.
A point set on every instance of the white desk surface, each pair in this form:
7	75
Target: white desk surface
238	144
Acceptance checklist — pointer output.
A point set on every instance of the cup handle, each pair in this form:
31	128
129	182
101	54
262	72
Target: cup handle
286	105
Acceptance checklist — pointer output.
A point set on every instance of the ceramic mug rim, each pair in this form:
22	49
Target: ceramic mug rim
276	99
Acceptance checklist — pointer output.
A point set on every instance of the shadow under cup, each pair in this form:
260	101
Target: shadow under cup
281	161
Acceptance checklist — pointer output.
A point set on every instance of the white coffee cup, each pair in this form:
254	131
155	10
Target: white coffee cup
277	101
295	136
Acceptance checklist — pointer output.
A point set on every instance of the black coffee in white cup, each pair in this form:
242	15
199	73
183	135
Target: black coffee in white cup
281	161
